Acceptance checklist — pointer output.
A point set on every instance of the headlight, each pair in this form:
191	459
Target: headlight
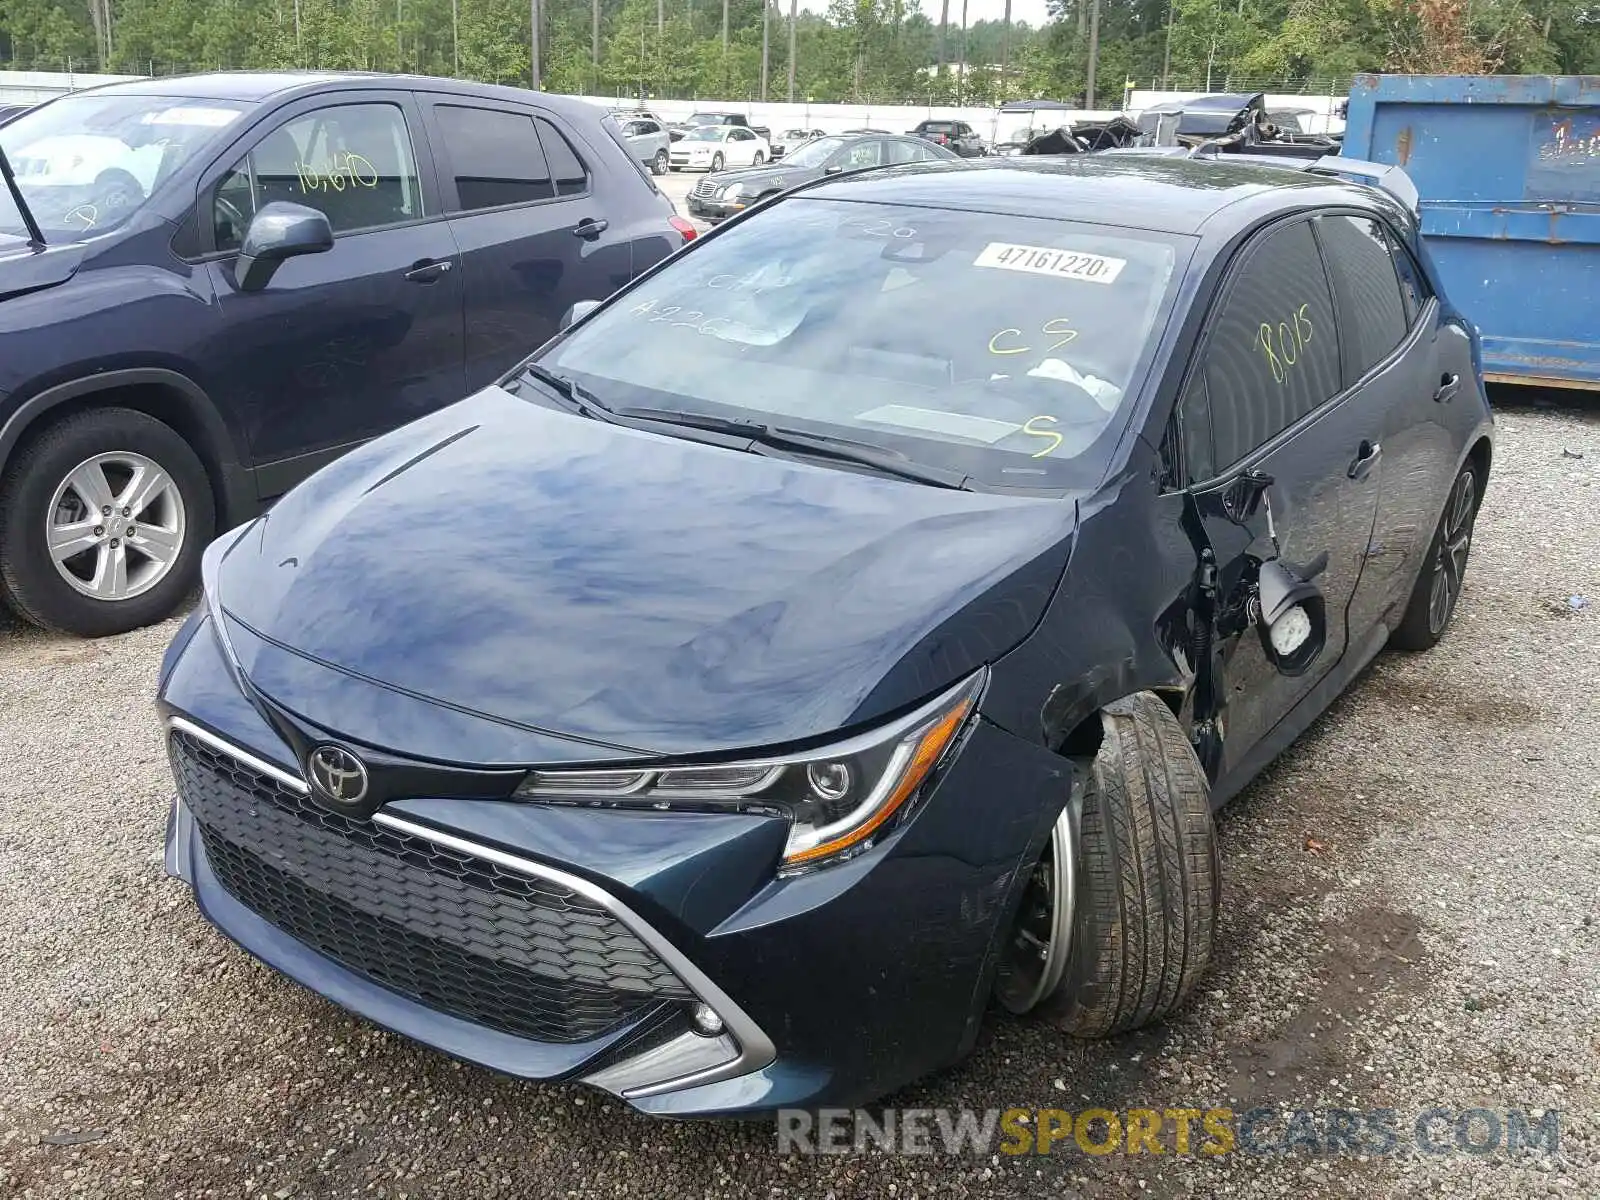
838	799
731	192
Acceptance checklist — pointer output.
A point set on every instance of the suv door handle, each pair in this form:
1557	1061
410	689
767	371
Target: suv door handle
1449	385
1366	458
590	227
427	270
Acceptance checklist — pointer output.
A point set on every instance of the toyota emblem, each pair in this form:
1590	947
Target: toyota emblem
338	774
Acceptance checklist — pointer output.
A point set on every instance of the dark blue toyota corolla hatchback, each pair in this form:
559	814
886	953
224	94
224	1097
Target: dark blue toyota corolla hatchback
854	620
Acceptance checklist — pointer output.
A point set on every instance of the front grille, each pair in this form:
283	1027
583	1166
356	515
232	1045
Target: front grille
706	186
458	933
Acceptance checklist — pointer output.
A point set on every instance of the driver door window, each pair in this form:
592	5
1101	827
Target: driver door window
353	162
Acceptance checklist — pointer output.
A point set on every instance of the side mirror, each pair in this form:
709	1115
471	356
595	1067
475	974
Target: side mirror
578	311
280	231
1290	615
1242	499
833	168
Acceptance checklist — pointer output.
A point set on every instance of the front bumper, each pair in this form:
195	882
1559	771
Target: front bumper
714	210
830	988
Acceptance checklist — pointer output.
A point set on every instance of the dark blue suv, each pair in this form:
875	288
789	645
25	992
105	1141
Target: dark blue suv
210	286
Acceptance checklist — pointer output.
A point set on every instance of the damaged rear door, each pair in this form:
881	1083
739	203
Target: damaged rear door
1284	468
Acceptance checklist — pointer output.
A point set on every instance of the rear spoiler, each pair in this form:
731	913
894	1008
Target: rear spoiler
1393	180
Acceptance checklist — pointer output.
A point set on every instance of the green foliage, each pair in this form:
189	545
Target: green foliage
874	51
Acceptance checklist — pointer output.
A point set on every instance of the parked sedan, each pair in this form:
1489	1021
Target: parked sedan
713	147
856	618
717	198
210	286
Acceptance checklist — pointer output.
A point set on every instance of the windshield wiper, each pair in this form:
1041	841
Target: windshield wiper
821	445
574	393
35	235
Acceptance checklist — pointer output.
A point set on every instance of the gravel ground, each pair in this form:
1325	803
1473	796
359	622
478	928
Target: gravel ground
1412	918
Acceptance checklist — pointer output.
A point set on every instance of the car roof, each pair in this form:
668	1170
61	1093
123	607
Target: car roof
1161	193
257	86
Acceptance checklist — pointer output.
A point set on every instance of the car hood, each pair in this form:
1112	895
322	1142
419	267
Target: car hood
24	268
646	593
765	177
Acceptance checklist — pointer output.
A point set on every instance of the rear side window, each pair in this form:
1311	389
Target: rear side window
495	157
1273	356
1414	289
566	168
1371	308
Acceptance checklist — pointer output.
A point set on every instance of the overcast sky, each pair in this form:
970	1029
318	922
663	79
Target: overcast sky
1031	11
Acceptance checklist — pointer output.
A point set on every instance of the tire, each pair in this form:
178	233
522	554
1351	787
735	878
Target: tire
1428	614
658	164
160	561
1147	883
716	163
758	160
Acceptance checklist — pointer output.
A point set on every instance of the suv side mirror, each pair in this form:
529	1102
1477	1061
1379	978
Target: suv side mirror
1242	499
280	231
578	311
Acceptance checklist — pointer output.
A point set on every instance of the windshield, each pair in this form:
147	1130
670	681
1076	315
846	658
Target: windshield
814	154
1002	347
85	164
706	133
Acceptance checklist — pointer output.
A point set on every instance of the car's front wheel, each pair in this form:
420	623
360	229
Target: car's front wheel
716	163
103	518
1438	587
1116	924
658	165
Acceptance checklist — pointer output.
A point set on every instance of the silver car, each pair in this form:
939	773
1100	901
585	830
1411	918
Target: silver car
647	137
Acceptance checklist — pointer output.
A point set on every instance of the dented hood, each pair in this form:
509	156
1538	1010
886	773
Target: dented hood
569	577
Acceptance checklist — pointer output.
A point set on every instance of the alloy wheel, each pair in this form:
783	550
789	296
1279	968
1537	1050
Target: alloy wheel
115	526
1455	540
1034	959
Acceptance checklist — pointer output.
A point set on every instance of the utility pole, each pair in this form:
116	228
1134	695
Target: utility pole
944	29
399	34
594	41
1094	53
533	40
794	16
961	67
766	11
1166	58
1005	52
296	32
724	45
455	31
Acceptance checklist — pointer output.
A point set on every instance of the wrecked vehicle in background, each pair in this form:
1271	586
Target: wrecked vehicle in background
1225	115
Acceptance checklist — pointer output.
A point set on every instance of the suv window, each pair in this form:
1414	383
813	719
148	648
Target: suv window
566	168
353	162
495	157
1273	355
1371	308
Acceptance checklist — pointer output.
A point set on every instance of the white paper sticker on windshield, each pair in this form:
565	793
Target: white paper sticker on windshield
1047	260
211	118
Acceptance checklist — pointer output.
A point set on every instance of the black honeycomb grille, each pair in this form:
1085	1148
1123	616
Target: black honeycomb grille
458	933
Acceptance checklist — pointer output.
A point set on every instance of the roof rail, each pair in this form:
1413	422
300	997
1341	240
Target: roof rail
1393	180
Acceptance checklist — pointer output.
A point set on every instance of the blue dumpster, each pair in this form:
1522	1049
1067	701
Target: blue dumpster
1508	170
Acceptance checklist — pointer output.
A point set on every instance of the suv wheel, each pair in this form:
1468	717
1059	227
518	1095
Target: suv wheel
1116	935
658	165
102	521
